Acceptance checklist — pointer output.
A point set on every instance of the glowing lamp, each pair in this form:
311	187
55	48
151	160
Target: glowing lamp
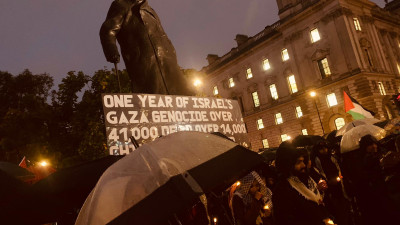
197	82
43	163
313	94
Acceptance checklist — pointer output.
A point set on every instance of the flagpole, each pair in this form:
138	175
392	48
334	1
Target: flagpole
313	94
319	117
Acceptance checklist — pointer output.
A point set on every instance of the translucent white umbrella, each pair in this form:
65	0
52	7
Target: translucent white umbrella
355	123
164	176
351	139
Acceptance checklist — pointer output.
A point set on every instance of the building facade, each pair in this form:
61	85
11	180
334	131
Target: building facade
320	46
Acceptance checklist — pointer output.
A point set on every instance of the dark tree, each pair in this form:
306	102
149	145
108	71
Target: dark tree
24	115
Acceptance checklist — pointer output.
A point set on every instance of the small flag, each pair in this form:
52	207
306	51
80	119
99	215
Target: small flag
355	109
23	163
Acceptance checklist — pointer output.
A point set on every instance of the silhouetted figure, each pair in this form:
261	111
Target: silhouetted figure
148	54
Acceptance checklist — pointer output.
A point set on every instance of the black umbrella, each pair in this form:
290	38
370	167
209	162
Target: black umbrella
382	124
306	140
165	177
60	195
269	154
15	170
13	192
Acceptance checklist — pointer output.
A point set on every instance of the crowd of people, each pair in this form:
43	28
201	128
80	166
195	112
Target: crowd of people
314	185
319	186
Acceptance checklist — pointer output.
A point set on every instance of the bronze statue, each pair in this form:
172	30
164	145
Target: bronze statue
148	54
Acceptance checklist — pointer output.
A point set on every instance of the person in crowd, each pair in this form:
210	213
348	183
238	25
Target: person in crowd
296	198
251	201
267	173
390	164
334	196
372	195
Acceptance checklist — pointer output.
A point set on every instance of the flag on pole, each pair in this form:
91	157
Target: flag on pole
23	163
355	109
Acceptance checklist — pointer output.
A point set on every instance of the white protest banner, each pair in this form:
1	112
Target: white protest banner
146	117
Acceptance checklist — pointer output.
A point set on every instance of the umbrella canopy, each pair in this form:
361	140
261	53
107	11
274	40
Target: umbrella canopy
58	196
355	123
15	171
393	126
306	140
269	154
165	176
382	124
332	138
12	191
350	140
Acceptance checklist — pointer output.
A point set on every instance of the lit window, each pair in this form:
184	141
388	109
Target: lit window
255	99
299	113
398	67
285	55
332	101
265	143
266	65
260	124
304	132
339	123
381	88
274	92
215	90
324	68
231	83
357	24
249	74
315	35
278	118
285	137
292	84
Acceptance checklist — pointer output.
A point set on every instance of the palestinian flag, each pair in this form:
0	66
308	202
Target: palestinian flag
354	108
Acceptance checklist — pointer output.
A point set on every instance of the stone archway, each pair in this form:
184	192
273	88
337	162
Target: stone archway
333	119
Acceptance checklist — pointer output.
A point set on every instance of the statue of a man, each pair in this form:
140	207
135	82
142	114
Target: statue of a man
149	55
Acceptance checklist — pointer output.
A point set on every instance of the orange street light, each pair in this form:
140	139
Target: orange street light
44	163
197	82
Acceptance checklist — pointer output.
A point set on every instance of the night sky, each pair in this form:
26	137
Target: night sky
55	36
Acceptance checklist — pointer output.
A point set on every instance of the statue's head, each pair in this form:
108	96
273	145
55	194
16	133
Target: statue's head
138	2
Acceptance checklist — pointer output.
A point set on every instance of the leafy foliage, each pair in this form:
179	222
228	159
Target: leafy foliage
24	114
64	125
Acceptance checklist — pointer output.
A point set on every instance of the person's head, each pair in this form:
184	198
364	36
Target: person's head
368	144
321	149
291	161
302	164
255	186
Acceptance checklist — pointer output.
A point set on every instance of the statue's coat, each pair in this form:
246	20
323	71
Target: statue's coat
149	55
